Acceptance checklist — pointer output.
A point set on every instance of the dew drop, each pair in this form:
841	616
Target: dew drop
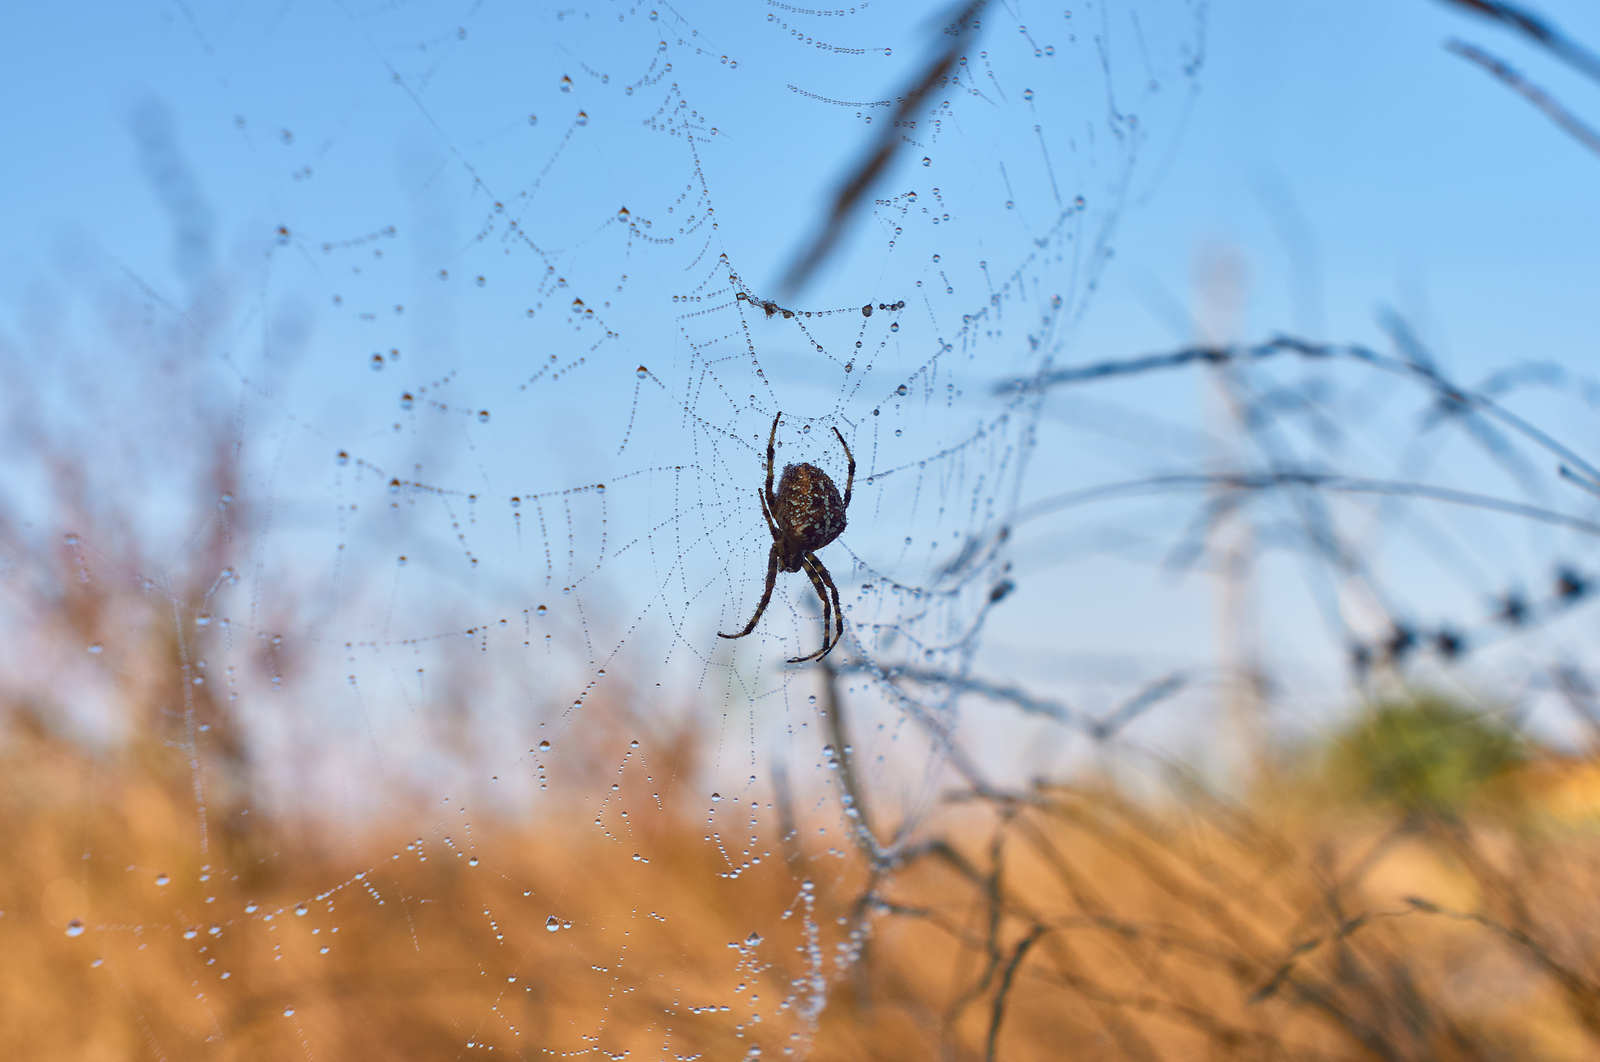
75	928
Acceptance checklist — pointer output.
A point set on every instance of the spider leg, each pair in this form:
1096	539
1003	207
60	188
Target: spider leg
850	479
772	525
766	595
832	615
838	609
772	455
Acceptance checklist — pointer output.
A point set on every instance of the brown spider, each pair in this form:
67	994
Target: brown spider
805	515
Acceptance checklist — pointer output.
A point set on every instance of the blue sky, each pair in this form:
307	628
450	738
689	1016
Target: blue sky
1335	152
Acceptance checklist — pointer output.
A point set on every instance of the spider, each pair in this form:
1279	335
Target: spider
803	516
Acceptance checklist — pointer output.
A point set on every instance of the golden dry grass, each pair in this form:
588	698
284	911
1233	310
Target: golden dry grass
1059	922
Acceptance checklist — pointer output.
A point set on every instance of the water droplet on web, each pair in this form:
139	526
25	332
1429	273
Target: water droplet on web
288	1012
552	924
163	879
583	117
96	647
203	620
566	83
544	746
1078	202
377	363
901	390
406	400
1027	94
483	416
716	798
641	372
343	457
74	928
926	161
301	910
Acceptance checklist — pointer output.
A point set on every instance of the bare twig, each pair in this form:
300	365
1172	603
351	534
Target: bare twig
1535	95
1539	30
853	190
1006	978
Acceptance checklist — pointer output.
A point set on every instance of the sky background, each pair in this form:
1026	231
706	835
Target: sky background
1332	157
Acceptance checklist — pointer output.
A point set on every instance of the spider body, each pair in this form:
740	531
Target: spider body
805	514
810	508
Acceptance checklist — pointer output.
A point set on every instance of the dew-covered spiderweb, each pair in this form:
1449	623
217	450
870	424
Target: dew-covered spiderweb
419	734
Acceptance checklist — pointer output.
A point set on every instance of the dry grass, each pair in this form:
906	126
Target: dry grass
1058	920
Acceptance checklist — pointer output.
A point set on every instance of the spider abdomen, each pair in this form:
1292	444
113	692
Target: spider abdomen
809	512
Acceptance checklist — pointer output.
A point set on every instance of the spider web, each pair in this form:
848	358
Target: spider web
477	407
